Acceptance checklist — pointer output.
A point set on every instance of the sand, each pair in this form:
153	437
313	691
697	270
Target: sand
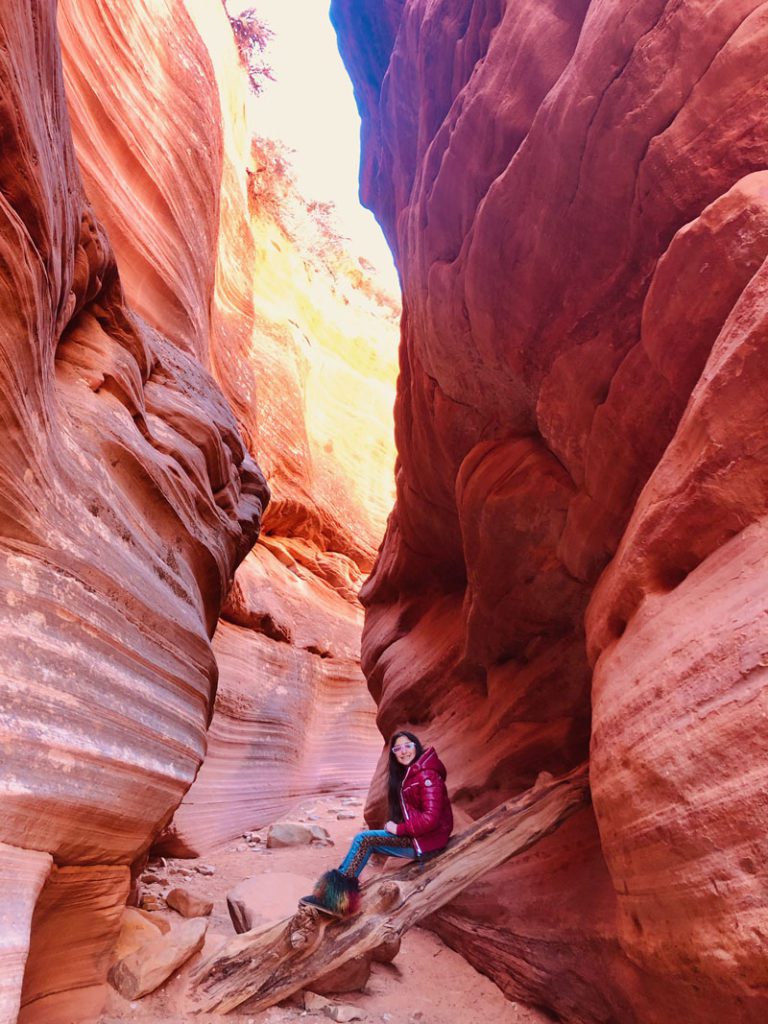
426	984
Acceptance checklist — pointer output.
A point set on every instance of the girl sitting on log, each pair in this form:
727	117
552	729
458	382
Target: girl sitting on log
420	822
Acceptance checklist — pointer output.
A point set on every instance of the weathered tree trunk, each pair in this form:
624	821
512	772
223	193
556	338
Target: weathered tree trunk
267	966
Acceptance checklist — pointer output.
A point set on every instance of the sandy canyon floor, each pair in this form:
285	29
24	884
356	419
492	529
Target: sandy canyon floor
426	984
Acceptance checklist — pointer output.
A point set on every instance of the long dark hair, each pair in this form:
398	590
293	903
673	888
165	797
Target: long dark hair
397	773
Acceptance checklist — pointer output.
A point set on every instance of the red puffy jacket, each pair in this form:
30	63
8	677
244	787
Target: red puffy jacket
427	815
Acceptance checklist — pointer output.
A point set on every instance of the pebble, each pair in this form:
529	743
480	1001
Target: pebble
205	869
344	1013
345	815
149	878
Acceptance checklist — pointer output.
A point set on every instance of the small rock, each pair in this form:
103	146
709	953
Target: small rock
152	879
288	833
386	1017
350	801
313	817
345	815
205	869
185	872
312	1001
151	902
343	1012
241	848
182	901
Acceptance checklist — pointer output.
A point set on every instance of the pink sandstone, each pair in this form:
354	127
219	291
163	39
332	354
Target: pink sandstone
308	369
148	329
128	498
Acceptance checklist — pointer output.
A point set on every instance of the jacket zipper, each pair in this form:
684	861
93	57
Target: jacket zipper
416	846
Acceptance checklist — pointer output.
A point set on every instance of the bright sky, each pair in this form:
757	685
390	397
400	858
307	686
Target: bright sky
311	108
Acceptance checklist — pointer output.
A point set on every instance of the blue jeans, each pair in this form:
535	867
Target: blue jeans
374	841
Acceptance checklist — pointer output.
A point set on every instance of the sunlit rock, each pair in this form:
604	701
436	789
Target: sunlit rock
128	497
305	351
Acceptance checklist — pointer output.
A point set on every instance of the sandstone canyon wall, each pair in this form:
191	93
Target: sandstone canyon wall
127	500
143	338
307	362
577	196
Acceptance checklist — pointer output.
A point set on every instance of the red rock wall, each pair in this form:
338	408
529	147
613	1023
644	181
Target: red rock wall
307	364
576	195
127	500
145	330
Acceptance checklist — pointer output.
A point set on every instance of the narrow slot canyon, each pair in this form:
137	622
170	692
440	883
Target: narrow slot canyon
265	504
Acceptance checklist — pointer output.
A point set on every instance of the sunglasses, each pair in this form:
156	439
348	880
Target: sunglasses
403	746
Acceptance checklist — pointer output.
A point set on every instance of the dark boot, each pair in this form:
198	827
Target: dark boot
335	894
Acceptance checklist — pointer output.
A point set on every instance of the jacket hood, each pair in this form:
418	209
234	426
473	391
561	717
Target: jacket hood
430	762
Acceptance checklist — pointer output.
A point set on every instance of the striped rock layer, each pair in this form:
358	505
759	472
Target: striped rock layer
146	354
165	140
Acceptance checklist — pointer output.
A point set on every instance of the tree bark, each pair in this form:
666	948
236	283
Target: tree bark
268	965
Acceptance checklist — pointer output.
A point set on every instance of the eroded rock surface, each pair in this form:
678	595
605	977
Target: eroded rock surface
128	497
307	363
154	335
577	198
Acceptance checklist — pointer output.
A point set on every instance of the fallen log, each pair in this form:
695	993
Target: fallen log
266	966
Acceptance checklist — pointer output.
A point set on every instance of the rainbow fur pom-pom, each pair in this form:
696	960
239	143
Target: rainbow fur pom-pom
338	893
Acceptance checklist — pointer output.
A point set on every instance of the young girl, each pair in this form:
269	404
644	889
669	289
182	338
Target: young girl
420	822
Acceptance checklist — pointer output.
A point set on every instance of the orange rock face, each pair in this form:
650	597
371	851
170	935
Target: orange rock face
577	199
307	364
152	316
128	498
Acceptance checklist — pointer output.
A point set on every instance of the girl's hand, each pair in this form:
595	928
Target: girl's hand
391	827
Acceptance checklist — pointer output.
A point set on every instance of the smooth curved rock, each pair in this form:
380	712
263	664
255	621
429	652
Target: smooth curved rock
576	196
22	874
75	926
127	499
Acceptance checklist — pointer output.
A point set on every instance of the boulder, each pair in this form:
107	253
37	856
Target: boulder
351	976
313	1001
344	1013
320	834
149	966
288	833
136	928
187	904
